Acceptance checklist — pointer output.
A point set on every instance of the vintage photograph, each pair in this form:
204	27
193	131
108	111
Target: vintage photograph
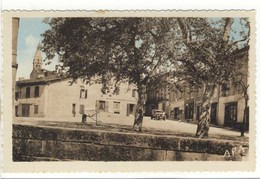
131	89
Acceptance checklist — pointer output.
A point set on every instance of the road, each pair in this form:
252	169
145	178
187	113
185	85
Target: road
167	125
175	126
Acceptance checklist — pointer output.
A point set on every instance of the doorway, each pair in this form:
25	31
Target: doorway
176	113
213	113
189	111
230	114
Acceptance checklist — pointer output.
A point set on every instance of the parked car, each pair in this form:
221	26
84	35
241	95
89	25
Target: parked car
158	114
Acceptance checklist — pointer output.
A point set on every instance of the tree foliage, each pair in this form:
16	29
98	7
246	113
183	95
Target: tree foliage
123	48
207	56
139	50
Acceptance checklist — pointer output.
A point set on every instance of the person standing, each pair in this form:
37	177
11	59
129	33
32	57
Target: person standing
84	118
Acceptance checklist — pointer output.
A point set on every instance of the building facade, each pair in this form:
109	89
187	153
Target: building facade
184	103
46	94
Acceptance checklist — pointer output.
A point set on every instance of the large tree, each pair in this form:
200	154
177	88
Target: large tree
207	56
118	49
138	50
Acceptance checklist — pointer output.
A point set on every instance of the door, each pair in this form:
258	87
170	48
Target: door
189	111
25	110
230	114
176	113
213	113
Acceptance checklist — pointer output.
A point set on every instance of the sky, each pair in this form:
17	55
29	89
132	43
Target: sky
29	35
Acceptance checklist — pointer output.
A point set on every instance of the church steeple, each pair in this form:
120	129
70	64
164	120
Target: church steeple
37	61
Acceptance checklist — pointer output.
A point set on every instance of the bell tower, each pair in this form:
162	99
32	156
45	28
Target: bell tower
37	61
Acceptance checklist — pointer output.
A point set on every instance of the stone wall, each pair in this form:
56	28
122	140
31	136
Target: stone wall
35	143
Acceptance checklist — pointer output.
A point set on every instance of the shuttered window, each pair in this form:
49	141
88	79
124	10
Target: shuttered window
28	91
101	106
36	91
81	109
116	107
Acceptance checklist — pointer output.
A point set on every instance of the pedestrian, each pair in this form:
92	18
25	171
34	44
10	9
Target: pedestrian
164	116
84	118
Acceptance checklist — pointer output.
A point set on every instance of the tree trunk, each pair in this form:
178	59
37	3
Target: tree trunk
138	121
204	120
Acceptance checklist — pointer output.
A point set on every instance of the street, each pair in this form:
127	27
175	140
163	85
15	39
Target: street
167	125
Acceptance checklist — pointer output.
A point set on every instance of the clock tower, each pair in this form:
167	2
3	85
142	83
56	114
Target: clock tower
37	61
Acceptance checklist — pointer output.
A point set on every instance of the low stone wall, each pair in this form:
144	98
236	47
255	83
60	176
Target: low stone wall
39	143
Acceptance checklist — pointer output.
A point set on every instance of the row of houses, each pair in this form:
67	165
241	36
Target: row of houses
46	94
227	103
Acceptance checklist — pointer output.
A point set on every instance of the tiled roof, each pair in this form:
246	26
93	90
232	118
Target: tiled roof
43	80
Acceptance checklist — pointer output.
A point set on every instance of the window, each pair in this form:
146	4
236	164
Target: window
73	109
36	91
28	91
16	111
83	93
116	107
133	93
130	109
102	105
81	109
230	114
36	109
86	93
117	90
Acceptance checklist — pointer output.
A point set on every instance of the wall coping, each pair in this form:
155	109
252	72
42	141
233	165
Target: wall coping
129	139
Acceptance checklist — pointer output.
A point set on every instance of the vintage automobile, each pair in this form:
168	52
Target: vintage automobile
158	114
